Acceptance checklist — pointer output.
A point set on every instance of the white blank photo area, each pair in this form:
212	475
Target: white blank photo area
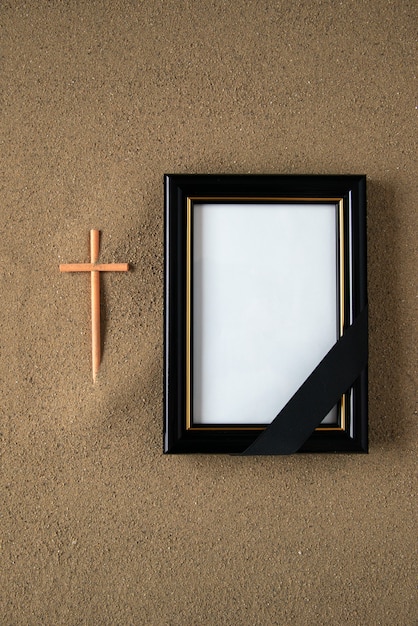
264	306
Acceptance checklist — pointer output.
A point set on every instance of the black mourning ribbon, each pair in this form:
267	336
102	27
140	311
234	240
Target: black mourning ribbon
320	392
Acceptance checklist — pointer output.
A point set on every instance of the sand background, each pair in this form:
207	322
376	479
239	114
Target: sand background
99	99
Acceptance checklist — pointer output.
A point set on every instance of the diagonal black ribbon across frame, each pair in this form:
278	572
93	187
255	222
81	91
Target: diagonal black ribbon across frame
320	392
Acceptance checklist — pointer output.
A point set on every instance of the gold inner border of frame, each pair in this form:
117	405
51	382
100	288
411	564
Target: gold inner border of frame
190	200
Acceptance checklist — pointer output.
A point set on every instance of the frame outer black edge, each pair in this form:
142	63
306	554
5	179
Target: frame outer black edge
172	316
359	256
363	301
179	186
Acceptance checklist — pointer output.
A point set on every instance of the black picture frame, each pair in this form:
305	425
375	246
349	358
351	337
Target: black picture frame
189	195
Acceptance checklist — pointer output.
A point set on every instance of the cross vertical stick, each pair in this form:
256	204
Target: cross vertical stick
95	303
95	268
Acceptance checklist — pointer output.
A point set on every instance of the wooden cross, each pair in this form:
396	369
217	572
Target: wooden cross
95	268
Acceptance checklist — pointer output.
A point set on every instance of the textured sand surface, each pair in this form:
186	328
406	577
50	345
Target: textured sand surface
99	99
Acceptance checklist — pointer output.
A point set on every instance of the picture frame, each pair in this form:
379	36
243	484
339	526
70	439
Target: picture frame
265	314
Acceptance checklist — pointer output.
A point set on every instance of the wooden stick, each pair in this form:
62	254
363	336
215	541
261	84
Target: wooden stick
95	303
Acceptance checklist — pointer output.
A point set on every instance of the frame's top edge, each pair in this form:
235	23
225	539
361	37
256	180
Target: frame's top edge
179	186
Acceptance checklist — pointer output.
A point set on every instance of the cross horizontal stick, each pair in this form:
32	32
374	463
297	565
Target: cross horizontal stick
95	268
